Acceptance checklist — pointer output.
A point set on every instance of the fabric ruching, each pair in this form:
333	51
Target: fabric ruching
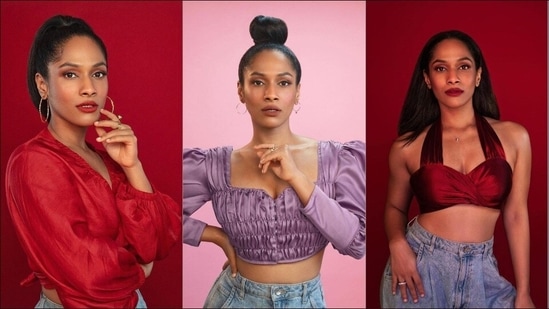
81	237
264	230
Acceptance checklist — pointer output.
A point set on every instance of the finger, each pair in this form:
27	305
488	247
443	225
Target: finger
402	285
265	167
233	267
419	285
110	115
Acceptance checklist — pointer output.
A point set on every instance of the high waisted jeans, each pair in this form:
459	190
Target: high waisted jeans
239	292
45	302
454	275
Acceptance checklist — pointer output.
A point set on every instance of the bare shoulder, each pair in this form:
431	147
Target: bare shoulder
510	133
407	153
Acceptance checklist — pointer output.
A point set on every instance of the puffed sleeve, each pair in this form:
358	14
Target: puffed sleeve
196	192
342	219
49	209
151	222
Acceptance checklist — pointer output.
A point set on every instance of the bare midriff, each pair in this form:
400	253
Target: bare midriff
461	223
52	295
284	273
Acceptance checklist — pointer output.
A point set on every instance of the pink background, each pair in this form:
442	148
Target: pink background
329	41
143	42
513	38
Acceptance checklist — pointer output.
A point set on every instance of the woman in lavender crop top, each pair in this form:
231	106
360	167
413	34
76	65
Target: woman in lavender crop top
281	198
464	167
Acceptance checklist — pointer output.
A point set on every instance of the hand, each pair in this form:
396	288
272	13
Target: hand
231	255
404	271
147	268
120	142
279	159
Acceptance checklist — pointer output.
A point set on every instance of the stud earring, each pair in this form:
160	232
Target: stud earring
238	111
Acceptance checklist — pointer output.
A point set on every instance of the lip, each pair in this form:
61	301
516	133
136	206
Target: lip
271	110
453	92
87	107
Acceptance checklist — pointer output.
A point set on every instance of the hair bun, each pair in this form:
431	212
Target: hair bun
266	29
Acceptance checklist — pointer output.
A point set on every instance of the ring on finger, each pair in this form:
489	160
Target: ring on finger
119	116
402	283
273	148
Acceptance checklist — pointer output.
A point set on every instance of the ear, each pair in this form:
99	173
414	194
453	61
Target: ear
298	92
240	92
41	85
479	73
427	79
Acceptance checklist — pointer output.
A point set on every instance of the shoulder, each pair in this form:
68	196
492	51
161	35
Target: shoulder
510	133
203	153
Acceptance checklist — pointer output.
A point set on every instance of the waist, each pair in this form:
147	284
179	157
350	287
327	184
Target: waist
287	290
52	295
419	233
284	273
461	223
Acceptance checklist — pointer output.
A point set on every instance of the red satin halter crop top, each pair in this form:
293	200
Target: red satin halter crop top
437	186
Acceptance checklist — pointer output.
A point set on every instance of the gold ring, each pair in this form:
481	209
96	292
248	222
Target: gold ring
273	148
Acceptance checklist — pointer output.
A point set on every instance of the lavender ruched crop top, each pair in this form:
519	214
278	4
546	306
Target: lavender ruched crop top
264	230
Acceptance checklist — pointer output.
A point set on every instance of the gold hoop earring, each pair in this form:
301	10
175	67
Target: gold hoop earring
112	104
298	107
238	111
40	110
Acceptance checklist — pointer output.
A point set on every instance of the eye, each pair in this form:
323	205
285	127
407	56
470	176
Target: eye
284	83
440	69
257	82
465	67
99	74
70	75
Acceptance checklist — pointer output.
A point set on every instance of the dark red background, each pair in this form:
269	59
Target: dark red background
513	38
144	43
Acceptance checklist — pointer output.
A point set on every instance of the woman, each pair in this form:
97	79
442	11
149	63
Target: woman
89	220
280	198
465	167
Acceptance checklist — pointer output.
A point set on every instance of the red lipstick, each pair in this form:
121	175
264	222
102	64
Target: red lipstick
87	107
453	92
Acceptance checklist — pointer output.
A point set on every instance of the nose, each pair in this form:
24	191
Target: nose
270	93
88	87
453	77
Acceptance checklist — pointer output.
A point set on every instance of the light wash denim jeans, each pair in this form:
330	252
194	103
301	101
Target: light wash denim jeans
239	292
45	302
454	275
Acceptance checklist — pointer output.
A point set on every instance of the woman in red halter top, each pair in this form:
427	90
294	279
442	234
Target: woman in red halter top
465	167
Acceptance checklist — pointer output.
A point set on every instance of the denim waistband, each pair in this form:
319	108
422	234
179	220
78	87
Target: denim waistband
274	291
432	241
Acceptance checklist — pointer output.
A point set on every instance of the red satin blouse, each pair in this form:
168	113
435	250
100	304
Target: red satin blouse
81	237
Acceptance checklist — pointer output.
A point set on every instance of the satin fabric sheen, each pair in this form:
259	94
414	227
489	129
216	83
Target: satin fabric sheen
81	237
437	186
264	230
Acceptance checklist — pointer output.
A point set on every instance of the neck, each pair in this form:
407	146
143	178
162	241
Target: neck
71	136
457	119
278	136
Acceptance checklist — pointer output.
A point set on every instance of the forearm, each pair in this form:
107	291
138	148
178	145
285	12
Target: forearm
137	178
395	222
518	235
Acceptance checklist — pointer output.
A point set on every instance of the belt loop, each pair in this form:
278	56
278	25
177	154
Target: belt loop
304	294
242	291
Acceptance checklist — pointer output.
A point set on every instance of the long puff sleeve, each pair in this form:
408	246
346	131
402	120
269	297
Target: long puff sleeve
196	193
151	222
342	219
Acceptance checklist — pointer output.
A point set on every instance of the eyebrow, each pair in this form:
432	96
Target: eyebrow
443	61
280	74
73	65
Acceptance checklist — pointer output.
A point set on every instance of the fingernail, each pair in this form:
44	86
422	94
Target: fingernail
234	275
98	139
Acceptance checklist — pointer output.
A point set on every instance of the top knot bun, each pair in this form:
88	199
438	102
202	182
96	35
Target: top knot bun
266	29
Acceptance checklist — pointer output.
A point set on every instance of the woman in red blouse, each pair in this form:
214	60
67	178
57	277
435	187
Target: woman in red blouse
89	220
